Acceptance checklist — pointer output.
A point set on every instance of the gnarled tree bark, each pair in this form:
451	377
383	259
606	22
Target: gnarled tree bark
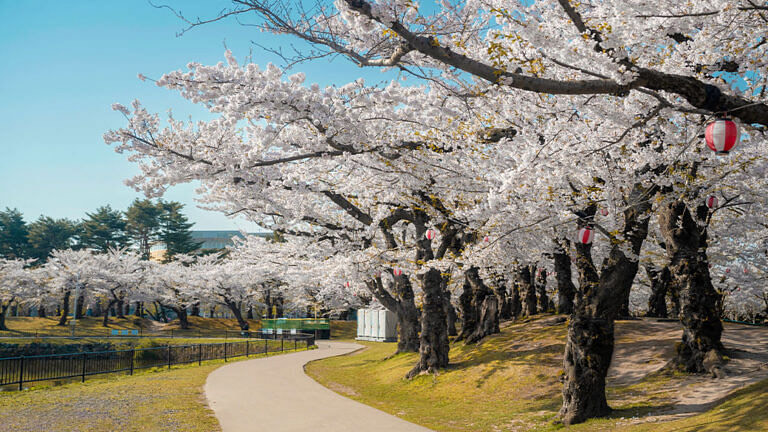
565	288
685	236
659	278
590	340
433	347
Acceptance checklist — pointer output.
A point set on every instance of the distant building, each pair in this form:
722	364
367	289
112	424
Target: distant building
212	240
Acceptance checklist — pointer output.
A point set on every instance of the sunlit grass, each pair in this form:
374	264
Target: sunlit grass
508	382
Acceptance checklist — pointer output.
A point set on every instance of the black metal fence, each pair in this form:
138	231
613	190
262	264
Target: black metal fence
28	369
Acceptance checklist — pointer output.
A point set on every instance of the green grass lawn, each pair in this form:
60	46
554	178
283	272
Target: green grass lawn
508	382
343	329
151	400
93	325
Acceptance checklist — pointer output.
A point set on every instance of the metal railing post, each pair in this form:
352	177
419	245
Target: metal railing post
169	356
83	371
282	343
295	344
225	351
199	354
21	374
133	354
246	347
266	346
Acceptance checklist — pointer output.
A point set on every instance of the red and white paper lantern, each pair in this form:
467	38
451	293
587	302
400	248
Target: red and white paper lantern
486	239
431	234
711	201
722	135
397	271
586	235
604	212
727	270
347	284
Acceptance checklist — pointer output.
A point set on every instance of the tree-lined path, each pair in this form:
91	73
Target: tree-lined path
273	393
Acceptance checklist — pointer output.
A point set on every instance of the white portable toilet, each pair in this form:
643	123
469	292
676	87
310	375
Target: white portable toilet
360	323
387	326
366	324
374	334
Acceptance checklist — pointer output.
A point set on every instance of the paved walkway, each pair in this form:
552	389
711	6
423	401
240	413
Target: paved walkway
273	394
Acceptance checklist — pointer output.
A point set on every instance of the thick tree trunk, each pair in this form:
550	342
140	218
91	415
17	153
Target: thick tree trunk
674	300
527	290
64	309
515	304
80	312
161	312
500	289
588	351
657	303
589	346
196	309
541	291
565	288
235	308
450	315
3	311
41	311
483	308
402	303
685	236
120	308
433	347
139	310
105	321
181	312
250	312
468	313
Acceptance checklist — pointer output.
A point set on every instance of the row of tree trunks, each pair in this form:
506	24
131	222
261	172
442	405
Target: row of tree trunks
685	235
236	309
480	308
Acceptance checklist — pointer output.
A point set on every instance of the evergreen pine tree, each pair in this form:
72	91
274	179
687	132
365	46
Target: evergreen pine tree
103	229
14	241
175	231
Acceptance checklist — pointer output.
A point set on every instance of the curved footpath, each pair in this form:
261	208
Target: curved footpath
274	394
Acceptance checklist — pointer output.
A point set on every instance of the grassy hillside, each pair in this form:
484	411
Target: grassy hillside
343	329
508	382
151	400
93	325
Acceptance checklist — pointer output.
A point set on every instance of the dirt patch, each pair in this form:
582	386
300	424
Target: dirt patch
341	388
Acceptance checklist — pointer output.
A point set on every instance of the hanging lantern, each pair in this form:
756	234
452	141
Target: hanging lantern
486	239
431	234
745	270
727	270
722	135
711	201
604	212
347	284
585	235
397	271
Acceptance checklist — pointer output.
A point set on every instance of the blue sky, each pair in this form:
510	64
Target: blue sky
63	64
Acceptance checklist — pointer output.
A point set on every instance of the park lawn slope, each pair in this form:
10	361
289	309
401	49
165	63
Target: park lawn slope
92	326
345	330
510	381
150	401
